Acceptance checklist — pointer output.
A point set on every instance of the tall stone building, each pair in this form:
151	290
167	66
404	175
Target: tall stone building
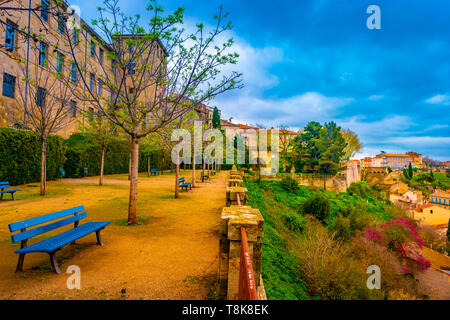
36	47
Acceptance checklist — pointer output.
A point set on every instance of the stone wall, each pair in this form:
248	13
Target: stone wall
232	219
334	183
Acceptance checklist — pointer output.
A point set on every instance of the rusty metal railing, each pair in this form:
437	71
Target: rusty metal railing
247	285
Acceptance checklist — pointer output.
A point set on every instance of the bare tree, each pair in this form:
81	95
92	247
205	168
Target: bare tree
50	102
153	69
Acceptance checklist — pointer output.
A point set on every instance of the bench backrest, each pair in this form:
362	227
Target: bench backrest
77	212
181	180
153	170
4	185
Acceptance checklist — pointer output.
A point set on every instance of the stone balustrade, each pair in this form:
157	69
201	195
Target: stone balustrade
232	219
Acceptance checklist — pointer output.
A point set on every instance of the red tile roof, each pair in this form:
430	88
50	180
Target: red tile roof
244	126
420	208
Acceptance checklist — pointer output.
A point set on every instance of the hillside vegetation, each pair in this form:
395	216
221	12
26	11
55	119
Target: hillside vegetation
314	245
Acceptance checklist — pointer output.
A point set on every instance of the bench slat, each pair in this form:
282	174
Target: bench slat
60	240
9	191
42	219
49	227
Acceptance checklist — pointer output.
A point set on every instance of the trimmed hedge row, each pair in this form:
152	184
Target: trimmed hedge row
83	152
20	156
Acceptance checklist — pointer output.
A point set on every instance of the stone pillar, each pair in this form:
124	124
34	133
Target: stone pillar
232	198
235	183
232	219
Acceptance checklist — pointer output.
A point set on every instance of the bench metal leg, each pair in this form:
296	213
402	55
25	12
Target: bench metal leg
99	238
54	262
12	195
20	262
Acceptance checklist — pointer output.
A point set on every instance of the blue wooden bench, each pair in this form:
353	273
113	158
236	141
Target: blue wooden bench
5	185
183	184
55	243
205	176
154	172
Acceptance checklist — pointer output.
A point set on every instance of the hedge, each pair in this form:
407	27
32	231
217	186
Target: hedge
20	156
82	151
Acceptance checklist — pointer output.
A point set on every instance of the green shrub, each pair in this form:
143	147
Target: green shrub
294	222
82	151
318	205
342	228
289	183
20	154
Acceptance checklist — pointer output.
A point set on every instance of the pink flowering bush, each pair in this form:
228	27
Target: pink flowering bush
399	235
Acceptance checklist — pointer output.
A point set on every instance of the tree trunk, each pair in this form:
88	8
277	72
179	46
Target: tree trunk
44	165
203	170
193	171
325	182
177	176
129	158
102	165
148	165
132	205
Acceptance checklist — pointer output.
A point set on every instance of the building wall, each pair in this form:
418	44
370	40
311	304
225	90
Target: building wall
57	43
101	69
440	200
433	216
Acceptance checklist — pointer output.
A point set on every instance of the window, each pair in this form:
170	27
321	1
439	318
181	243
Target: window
100	55
74	72
73	108
43	54
131	67
91	114
100	85
113	66
75	36
59	63
131	47
9	85
10	36
91	82
92	48
44	10
431	211
40	97
61	25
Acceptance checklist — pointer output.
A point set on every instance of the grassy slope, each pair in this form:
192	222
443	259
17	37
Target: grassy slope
280	269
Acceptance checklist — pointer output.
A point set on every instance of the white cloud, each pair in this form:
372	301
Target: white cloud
439	99
376	97
295	111
420	141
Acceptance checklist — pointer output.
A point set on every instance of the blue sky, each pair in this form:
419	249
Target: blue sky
315	60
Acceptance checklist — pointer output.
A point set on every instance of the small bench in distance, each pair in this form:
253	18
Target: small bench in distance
183	184
154	172
5	185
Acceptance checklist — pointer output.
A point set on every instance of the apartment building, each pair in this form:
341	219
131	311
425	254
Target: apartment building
396	161
44	53
203	111
440	198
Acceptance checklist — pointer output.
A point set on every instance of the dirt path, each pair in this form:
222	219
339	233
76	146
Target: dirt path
172	254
